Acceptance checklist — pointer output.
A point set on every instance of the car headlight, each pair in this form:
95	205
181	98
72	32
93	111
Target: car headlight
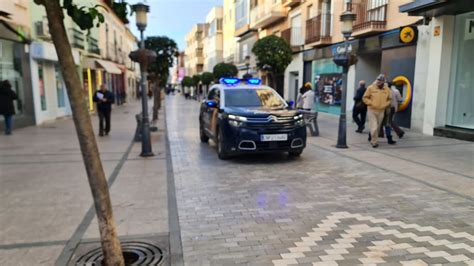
300	116
238	118
235	123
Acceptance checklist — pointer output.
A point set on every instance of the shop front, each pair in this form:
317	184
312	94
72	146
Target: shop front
49	89
14	67
385	53
461	89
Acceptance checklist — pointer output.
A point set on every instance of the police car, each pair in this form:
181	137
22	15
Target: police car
243	116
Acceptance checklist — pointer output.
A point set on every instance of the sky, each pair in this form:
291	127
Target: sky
174	18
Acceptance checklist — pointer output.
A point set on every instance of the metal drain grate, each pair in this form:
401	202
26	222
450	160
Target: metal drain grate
135	253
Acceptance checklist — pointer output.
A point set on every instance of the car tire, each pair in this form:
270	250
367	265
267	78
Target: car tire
204	138
221	150
296	153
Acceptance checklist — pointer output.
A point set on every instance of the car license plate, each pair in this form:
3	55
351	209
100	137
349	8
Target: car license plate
274	137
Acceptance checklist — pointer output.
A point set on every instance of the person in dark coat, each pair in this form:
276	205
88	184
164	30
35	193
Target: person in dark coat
359	111
7	109
104	100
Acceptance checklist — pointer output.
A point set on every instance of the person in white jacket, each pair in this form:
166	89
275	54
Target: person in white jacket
308	98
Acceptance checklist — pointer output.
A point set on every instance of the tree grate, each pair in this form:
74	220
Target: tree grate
134	252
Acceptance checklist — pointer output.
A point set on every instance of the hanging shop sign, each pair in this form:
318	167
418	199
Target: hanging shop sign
408	34
407	92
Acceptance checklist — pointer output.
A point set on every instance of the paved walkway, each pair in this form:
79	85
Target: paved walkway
410	204
45	201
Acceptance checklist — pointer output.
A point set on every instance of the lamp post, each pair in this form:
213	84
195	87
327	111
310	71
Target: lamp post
144	57
347	19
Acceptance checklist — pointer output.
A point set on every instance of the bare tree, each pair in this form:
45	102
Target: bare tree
85	134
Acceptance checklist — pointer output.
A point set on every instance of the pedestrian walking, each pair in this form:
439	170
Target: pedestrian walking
7	109
186	92
299	98
308	98
359	111
377	97
396	100
104	100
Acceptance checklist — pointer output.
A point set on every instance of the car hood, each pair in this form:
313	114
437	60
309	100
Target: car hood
259	111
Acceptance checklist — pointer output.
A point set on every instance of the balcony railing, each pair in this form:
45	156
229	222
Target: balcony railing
318	29
293	36
370	16
266	14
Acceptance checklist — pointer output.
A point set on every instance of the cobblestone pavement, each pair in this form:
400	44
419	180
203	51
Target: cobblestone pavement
320	209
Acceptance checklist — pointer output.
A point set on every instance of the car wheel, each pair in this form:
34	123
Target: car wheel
221	150
296	153
202	134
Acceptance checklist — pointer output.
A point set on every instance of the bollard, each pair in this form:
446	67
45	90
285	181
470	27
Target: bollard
311	120
138	131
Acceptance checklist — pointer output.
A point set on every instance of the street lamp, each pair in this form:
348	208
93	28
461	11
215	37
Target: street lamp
144	57
247	66
347	19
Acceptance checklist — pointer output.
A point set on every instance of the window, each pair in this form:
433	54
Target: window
214	95
310	12
253	98
219	24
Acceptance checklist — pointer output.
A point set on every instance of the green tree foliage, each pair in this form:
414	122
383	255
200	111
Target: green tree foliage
273	54
196	79
187	82
223	70
165	49
207	78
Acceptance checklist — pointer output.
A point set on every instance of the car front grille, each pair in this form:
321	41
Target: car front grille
271	122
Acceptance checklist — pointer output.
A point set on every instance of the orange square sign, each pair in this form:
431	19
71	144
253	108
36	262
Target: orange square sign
437	31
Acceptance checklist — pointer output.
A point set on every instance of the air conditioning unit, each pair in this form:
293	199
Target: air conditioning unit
42	30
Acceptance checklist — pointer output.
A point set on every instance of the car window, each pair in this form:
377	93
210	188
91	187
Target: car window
214	95
253	98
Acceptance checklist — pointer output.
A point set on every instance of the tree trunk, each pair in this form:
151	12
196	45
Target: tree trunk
90	153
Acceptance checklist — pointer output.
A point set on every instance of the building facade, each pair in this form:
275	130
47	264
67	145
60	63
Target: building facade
15	39
194	53
229	31
443	82
246	37
214	40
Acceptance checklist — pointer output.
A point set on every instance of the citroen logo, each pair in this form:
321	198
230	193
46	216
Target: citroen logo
273	118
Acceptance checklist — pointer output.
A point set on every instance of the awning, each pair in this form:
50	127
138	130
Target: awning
8	32
434	8
109	66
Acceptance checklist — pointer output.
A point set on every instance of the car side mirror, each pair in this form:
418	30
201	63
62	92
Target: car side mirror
211	103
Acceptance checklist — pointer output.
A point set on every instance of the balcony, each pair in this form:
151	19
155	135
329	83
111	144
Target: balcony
239	32
266	14
370	17
291	3
318	30
294	38
77	38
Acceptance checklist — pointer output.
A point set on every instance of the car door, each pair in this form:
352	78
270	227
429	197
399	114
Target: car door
207	112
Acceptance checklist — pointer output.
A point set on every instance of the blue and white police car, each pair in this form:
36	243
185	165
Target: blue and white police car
243	116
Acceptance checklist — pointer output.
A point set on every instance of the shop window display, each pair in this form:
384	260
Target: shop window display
11	69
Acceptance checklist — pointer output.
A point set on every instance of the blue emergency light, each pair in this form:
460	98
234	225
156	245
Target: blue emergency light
229	81
254	81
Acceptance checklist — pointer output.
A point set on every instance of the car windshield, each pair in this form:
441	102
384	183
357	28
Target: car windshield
253	98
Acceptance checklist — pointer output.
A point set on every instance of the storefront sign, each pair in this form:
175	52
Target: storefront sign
469	33
342	49
47	51
408	34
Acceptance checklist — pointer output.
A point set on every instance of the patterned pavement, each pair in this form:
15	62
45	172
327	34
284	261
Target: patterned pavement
320	209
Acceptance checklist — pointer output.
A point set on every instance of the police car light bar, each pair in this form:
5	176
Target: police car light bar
254	81
229	81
